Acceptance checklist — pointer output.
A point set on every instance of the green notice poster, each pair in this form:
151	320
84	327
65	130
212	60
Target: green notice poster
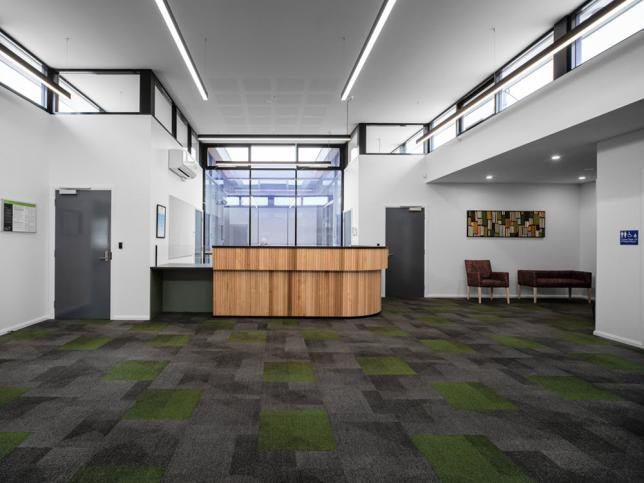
18	216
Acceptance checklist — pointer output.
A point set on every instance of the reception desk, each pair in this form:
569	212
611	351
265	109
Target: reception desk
297	281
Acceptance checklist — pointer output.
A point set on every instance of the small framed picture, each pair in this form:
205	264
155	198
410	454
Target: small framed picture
161	219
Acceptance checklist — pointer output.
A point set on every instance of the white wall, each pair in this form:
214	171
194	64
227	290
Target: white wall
40	153
588	228
164	184
620	269
111	153
352	197
557	106
390	181
24	284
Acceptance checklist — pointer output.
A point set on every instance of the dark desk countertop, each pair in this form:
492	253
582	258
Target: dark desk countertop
183	266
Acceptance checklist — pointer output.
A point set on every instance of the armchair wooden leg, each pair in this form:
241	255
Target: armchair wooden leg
491	293
534	295
468	293
590	295
480	290
569	292
518	291
507	295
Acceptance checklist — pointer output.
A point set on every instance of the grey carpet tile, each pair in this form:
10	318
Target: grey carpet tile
203	417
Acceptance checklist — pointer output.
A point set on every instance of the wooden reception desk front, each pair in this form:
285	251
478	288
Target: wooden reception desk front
297	281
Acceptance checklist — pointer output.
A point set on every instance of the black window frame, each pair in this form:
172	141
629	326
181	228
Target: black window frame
288	166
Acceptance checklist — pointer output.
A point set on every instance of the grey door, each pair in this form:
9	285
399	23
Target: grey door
83	255
405	276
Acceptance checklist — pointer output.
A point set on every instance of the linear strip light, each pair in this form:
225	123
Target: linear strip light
172	25
383	15
274	139
547	53
33	72
271	165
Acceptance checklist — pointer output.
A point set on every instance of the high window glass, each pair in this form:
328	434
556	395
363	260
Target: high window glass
78	102
163	108
107	91
446	133
611	32
393	138
182	130
537	77
12	76
480	113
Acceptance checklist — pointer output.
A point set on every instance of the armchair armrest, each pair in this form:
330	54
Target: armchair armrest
473	279
527	278
503	276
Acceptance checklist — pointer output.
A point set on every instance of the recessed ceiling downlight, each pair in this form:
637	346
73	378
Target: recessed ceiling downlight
555	157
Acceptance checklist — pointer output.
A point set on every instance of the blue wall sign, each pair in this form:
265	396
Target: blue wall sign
629	237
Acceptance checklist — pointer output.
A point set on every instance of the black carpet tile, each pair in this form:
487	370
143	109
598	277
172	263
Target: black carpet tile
449	371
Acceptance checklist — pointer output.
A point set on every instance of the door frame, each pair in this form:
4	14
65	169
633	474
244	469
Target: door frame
425	233
52	241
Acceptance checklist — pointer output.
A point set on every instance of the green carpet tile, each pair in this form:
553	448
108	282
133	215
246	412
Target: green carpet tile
295	430
583	339
169	340
440	345
461	397
571	323
471	396
174	404
434	320
573	388
116	474
27	334
288	371
388	332
610	361
467	459
136	371
85	343
385	366
248	337
10	441
8	394
517	342
150	327
283	323
314	335
219	324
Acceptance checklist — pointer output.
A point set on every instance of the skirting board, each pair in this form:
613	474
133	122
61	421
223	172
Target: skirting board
500	294
617	338
22	325
130	317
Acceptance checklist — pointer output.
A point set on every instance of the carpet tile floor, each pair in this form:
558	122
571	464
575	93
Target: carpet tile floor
428	390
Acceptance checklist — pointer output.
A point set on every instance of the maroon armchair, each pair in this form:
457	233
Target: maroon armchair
480	274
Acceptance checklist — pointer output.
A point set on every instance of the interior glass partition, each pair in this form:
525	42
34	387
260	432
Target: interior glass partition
319	212
272	210
273	195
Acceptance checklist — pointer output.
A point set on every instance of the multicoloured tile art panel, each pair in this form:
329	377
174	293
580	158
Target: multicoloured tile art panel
506	224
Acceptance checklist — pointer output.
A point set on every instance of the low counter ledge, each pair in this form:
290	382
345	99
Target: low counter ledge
180	288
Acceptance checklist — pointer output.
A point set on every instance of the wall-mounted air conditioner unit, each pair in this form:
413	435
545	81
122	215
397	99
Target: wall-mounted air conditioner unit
182	164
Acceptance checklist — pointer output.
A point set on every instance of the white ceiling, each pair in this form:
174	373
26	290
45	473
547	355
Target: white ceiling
278	66
577	146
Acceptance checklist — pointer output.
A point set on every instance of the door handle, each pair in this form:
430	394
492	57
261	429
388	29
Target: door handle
107	257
